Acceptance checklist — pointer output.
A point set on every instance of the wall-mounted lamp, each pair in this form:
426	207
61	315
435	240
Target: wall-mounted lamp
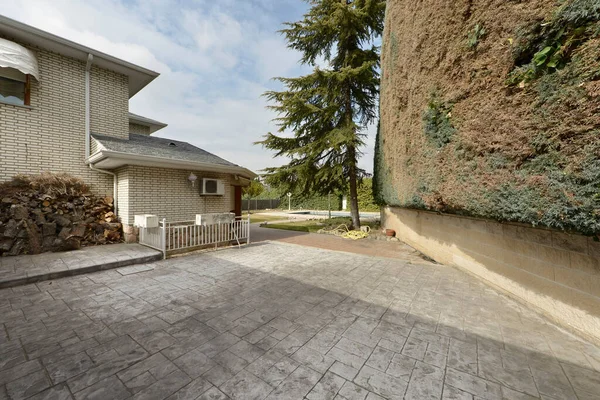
192	178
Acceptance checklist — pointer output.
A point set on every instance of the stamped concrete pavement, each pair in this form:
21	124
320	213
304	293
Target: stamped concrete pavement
281	321
376	248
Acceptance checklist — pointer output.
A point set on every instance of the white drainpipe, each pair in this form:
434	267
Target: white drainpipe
88	135
114	185
88	67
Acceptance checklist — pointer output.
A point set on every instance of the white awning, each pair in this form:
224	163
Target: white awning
13	55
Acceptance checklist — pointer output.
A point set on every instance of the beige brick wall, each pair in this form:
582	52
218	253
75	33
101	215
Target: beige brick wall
122	192
50	135
139	129
556	272
109	103
168	194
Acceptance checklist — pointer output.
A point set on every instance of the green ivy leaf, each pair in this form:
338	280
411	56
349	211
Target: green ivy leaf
541	57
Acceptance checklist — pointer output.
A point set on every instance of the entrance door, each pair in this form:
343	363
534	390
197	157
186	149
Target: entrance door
238	201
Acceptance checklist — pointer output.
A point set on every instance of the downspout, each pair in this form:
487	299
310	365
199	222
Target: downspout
88	67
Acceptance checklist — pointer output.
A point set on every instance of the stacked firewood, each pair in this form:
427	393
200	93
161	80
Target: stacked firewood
53	212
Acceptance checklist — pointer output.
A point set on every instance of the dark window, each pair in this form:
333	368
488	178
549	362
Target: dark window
14	87
211	186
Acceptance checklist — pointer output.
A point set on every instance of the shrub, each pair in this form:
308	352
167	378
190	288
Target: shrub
366	200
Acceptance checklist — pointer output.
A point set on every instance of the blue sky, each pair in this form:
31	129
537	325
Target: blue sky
215	58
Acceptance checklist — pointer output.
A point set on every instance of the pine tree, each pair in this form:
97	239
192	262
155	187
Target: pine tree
329	109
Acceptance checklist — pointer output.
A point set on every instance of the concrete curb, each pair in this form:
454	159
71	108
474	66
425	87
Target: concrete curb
12	282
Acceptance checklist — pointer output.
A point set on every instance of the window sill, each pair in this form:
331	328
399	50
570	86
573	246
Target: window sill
16	105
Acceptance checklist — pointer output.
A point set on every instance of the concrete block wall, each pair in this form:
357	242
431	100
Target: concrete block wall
168	194
555	272
50	134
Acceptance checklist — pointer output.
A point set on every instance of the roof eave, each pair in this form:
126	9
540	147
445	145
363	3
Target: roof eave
152	124
139	77
156	128
108	159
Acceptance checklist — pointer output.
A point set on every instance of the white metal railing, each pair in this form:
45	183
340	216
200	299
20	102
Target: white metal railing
152	237
181	235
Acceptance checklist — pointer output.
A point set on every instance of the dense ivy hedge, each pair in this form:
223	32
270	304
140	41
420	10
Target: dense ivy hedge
550	174
366	202
314	203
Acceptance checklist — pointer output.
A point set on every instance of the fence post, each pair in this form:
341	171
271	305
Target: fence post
164	238
218	235
248	225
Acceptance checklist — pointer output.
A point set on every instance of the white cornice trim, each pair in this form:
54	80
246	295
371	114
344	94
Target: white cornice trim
108	159
139	76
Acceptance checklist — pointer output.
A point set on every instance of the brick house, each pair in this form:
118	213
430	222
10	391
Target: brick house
65	108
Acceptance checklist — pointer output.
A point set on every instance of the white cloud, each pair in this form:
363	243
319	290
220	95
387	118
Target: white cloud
216	58
274	59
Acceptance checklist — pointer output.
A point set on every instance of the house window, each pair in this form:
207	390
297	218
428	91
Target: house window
14	87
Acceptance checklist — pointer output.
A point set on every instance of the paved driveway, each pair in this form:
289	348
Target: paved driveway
375	248
281	321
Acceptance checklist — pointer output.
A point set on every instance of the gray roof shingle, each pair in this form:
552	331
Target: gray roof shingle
160	147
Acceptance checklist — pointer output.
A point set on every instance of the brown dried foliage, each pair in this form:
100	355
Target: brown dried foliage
496	125
46	183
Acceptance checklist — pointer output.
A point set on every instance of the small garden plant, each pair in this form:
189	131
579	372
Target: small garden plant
475	36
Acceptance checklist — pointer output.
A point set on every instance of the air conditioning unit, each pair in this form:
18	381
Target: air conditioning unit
215	218
212	187
146	221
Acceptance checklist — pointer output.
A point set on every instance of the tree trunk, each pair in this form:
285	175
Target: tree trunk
353	178
352	172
